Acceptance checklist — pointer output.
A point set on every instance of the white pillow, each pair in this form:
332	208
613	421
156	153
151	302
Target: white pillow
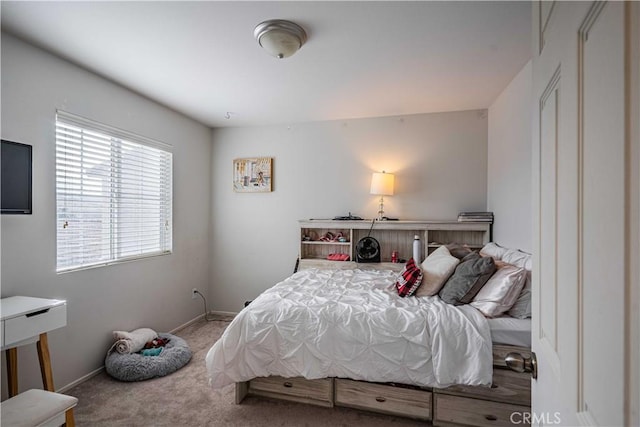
522	307
501	291
436	269
517	258
493	250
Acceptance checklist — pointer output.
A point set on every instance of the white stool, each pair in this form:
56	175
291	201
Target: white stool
35	408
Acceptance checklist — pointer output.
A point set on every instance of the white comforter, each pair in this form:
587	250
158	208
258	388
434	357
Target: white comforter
352	324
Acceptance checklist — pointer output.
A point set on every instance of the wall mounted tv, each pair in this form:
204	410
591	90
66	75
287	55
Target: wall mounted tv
15	178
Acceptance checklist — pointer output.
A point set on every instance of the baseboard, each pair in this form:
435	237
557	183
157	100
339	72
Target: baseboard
101	368
80	380
184	325
224	313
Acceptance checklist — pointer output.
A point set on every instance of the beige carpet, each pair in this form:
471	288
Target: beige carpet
185	399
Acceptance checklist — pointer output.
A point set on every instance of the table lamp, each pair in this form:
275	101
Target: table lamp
382	185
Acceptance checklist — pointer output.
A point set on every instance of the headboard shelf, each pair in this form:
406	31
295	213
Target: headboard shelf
392	235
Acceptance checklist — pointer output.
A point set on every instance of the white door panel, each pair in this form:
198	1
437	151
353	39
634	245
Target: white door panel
602	213
581	214
548	309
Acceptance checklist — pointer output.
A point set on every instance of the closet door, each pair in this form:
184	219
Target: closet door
582	270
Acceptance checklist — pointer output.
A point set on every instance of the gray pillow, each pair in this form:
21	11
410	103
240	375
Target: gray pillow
470	276
522	308
457	250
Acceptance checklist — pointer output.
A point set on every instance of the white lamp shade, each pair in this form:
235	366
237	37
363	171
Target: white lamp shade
382	184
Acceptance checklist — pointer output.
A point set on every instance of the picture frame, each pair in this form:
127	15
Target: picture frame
252	175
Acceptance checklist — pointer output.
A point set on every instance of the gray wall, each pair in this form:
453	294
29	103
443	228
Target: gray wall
323	169
509	185
152	293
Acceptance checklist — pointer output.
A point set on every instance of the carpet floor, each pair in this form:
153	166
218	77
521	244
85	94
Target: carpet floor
184	398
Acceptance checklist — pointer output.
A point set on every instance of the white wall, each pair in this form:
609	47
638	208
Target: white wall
154	292
323	169
509	183
235	245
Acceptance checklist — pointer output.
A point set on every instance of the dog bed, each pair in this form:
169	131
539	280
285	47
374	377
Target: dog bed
136	367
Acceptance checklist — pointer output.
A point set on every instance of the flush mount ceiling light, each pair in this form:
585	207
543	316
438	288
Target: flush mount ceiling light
280	38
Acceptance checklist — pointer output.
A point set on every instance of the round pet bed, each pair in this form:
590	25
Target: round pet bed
136	367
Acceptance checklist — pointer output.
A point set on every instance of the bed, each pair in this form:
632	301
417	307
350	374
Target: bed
345	337
507	330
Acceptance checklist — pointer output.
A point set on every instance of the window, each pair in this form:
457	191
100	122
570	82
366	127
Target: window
113	194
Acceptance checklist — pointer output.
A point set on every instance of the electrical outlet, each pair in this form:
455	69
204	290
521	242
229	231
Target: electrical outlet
194	293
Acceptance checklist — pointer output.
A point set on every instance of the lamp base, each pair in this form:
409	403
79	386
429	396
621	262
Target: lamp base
381	210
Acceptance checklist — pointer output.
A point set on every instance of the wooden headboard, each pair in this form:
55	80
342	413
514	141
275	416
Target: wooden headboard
392	235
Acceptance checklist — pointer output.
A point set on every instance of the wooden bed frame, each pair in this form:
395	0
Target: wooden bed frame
502	404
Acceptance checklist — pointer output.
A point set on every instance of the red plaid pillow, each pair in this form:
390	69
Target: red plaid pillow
409	279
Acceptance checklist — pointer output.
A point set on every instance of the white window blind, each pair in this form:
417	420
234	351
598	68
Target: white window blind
113	194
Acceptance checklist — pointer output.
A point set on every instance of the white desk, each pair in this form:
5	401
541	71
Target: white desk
25	320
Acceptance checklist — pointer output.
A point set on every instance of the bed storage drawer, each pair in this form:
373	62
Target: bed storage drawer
508	387
406	402
455	410
318	392
500	352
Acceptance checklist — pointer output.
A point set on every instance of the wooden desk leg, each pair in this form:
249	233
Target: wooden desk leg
45	362
68	418
12	371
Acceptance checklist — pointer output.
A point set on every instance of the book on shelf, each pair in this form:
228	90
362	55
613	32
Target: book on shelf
475	217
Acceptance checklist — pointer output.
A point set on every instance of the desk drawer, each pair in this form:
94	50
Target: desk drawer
23	327
406	402
454	410
319	392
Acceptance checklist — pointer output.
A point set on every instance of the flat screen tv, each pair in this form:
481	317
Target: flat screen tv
15	178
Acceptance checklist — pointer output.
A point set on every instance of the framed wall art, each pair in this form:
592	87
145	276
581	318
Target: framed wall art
252	175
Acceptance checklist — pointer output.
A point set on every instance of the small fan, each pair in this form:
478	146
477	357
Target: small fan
368	250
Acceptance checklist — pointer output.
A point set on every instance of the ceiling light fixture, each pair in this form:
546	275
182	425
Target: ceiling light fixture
280	38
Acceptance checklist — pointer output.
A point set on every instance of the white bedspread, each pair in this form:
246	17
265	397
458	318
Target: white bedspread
352	324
